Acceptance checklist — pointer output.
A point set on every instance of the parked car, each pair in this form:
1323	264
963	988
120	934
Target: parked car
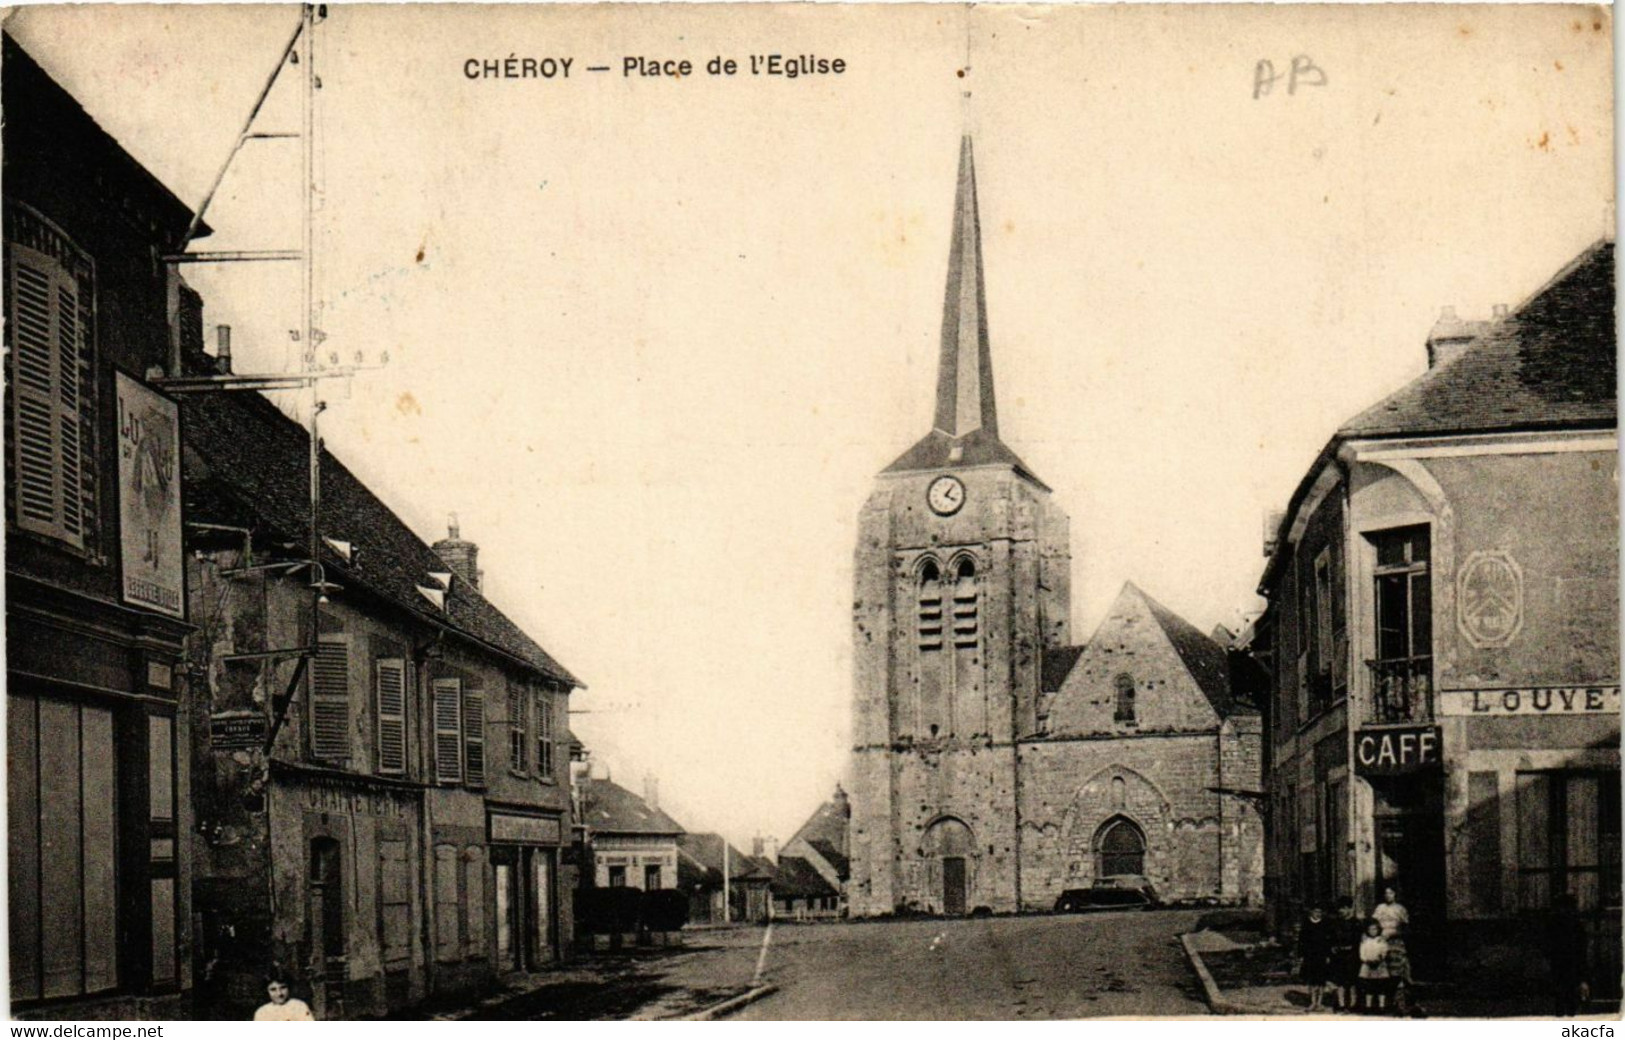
1121	890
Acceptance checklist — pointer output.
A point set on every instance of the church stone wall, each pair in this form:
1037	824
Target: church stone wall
1072	788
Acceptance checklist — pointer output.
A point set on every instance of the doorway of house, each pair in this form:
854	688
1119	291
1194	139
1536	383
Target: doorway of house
1410	859
326	916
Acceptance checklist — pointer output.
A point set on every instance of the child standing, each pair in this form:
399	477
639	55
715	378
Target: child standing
1374	968
1314	955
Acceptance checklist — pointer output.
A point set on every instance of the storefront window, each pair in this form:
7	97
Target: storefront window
1568	838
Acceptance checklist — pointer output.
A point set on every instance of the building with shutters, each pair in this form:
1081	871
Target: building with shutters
995	765
98	896
1443	639
384	813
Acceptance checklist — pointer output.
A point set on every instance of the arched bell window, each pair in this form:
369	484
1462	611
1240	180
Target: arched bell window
930	607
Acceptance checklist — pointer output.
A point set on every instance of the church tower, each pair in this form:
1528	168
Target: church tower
962	581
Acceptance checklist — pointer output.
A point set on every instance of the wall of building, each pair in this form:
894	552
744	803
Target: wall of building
637	853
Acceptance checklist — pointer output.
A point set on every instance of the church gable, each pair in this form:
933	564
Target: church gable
1144	671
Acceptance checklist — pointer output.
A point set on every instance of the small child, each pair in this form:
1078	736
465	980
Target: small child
1374	968
1315	954
282	1007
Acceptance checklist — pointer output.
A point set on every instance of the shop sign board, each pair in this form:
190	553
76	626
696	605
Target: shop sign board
1531	700
1397	750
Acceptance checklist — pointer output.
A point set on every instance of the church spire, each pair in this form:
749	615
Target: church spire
965	372
965	431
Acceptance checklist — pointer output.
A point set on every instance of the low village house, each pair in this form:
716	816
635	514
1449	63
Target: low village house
634	844
1443	633
98	865
814	865
386	821
701	867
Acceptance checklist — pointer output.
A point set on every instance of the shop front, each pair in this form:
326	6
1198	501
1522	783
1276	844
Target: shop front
525	849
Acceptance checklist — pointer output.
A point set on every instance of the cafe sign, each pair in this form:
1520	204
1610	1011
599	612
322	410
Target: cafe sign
1397	751
1531	700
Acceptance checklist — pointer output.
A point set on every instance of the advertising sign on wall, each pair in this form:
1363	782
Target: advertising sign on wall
149	498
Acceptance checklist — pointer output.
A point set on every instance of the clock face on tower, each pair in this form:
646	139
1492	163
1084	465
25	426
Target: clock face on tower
945	496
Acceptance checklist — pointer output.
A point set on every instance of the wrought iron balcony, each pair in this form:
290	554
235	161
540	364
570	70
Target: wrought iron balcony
1401	689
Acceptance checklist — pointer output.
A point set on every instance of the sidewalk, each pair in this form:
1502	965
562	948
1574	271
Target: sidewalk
640	983
1254	979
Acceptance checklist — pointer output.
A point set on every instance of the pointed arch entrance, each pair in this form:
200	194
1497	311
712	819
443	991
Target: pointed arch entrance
948	841
1119	848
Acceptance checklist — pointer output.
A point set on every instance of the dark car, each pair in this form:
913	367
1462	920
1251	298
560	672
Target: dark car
1119	890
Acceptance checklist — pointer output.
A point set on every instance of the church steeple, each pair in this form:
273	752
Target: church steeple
965	371
965	430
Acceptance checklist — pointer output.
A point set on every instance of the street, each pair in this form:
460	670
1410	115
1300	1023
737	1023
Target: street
1077	966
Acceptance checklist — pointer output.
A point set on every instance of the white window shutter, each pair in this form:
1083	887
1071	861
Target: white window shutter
518	727
330	699
47	343
391	680
448	731
544	734
474	735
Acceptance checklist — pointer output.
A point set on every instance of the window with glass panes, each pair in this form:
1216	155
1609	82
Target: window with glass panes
1402	673
1568	838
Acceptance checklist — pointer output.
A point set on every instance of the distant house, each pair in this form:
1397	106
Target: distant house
821	844
700	867
800	892
634	844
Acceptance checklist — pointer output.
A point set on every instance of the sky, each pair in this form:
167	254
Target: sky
651	338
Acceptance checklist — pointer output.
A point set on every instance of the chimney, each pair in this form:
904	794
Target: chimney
462	557
758	846
651	790
771	848
1499	312
222	349
1451	336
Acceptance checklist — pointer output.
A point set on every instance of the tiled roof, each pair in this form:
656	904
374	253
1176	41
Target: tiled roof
1058	662
827	824
797	878
246	463
1205	660
42	117
834	856
1551	363
705	851
610	808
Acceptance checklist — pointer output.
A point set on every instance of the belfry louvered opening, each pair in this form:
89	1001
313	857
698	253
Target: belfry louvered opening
930	607
966	607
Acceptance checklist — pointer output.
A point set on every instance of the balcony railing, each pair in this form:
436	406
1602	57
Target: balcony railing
1401	689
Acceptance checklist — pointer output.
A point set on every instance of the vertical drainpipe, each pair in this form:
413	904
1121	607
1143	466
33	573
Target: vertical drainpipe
1218	763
